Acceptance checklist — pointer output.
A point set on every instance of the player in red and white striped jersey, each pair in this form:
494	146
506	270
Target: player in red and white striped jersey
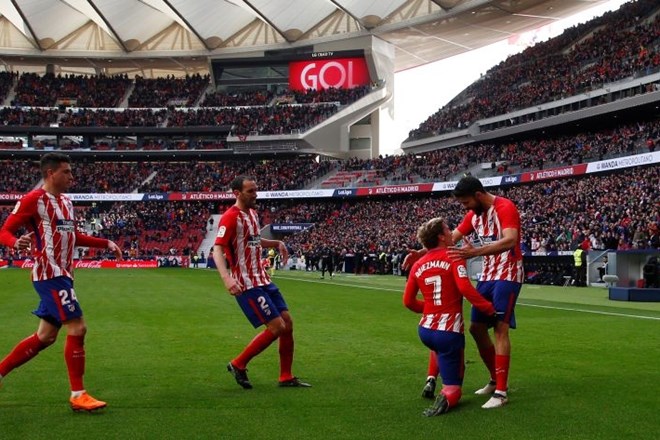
239	245
443	282
48	214
495	221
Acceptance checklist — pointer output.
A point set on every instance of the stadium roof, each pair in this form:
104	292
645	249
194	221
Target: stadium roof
178	35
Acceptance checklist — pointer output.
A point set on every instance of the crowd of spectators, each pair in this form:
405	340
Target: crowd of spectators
112	118
616	46
331	94
33	117
148	229
274	175
266	120
110	177
298	173
512	156
614	211
6	84
35	90
611	211
13	177
237	98
148	176
286	96
160	101
163	92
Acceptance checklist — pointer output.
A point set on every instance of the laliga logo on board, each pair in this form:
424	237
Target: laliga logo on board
510	179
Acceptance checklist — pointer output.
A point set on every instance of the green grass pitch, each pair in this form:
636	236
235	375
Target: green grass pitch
158	341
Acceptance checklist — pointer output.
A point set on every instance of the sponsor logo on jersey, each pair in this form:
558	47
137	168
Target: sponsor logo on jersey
64	225
17	207
254	240
485	239
221	231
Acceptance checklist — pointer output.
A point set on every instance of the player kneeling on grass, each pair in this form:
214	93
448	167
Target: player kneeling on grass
443	282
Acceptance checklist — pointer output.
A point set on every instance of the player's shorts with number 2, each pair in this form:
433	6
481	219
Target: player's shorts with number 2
58	300
262	304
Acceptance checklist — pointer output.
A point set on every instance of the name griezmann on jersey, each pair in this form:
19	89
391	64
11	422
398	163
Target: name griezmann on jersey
433	264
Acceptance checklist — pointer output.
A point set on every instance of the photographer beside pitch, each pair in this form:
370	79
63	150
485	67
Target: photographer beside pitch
50	216
496	222
238	246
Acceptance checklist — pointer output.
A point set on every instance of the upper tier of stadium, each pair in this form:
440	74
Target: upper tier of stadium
159	37
609	65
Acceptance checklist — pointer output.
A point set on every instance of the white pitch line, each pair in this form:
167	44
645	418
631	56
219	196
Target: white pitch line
595	312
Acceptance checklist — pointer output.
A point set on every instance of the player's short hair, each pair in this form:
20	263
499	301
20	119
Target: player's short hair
427	234
468	186
52	161
237	183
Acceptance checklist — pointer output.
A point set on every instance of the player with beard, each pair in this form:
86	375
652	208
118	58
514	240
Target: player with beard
238	245
495	221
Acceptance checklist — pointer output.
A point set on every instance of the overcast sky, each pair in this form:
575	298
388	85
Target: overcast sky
420	92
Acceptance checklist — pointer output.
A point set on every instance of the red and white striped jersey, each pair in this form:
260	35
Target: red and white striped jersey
52	220
239	233
443	284
503	214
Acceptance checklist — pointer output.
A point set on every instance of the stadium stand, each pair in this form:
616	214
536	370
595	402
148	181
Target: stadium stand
611	211
6	83
71	90
169	91
616	46
144	230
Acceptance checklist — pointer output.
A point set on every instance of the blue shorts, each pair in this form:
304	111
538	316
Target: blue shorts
503	295
262	304
58	301
448	347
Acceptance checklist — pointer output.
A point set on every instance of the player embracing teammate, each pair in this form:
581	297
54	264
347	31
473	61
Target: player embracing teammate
495	221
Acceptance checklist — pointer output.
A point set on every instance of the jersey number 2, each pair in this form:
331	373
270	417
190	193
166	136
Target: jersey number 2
437	288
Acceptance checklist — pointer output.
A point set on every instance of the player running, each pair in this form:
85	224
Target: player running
48	214
443	282
238	246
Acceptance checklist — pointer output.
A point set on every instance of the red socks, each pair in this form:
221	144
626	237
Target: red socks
488	356
502	372
260	342
23	352
286	355
452	393
74	355
434	370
